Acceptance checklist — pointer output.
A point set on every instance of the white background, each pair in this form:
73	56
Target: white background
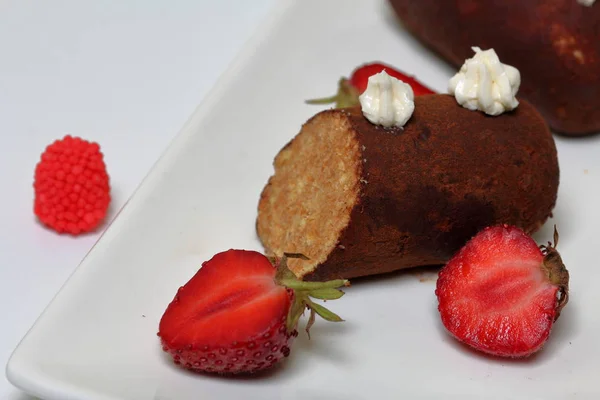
124	73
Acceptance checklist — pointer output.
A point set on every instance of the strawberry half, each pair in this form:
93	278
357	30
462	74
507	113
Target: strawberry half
239	313
349	89
501	293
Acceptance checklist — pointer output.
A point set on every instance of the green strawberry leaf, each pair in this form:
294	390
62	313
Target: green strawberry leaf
311	321
326	293
324	312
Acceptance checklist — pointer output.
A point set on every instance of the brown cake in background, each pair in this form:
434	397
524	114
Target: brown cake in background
359	199
555	44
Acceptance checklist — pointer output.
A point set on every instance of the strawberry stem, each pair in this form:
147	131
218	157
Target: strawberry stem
326	293
324	100
304	290
311	321
323	312
302	285
346	96
557	272
296	311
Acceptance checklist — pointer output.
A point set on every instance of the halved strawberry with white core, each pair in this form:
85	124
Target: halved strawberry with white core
501	293
239	313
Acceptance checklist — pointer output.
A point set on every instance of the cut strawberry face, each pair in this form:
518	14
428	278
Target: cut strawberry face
501	293
237	301
239	313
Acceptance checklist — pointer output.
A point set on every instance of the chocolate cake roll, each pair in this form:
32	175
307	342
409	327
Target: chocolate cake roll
358	199
554	44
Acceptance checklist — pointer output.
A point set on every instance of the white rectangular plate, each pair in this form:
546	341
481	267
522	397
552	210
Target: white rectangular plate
97	339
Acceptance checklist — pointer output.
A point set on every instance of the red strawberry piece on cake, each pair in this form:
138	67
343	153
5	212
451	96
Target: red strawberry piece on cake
349	89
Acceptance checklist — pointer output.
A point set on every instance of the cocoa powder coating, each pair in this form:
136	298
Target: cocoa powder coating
427	188
555	44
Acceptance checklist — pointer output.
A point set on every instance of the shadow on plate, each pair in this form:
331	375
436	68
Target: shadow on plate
426	274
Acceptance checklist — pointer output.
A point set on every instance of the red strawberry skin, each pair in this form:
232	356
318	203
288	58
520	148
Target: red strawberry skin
360	77
349	89
229	317
500	293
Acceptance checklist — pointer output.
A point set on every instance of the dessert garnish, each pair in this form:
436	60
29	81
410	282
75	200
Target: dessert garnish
587	3
387	101
501	294
485	84
349	89
71	186
239	313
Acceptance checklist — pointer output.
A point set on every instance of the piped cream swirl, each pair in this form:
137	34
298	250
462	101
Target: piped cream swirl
387	101
485	84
